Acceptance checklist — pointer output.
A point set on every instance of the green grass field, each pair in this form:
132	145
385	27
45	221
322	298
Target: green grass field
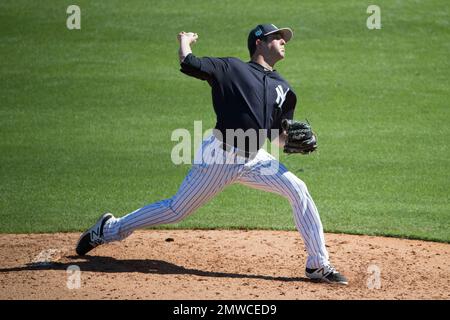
86	115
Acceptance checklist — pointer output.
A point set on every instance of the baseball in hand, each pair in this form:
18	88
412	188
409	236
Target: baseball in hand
191	37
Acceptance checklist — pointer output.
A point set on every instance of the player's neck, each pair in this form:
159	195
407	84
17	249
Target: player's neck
263	62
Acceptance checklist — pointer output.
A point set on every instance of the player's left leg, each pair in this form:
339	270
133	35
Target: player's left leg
266	173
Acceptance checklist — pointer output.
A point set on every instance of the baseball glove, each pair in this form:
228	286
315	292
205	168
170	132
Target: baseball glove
300	137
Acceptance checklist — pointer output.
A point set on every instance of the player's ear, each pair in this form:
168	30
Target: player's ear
258	47
258	43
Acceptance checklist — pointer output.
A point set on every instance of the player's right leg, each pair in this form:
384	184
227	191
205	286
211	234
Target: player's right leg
202	183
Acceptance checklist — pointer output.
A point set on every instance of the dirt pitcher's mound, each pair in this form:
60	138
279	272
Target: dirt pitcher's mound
219	264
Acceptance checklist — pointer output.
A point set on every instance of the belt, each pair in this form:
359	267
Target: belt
242	153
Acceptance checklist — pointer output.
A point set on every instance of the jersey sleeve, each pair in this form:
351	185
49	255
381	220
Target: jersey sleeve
205	68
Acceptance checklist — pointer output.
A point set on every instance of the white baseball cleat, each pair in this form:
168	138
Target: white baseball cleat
326	274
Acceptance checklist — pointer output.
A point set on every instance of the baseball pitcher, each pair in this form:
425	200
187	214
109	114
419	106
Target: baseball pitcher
252	103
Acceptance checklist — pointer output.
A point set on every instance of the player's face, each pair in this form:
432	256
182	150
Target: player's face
275	47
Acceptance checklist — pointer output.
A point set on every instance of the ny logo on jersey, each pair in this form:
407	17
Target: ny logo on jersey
281	95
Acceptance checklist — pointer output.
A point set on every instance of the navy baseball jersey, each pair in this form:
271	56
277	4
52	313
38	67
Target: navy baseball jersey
244	94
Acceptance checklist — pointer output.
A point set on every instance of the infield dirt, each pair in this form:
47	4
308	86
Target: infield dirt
219	264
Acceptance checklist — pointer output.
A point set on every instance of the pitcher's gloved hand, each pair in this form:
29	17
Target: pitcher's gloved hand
300	137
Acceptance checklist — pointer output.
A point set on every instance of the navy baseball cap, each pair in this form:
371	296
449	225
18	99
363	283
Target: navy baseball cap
262	30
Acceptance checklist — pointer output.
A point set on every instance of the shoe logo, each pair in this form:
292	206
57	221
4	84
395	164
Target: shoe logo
281	95
321	270
96	237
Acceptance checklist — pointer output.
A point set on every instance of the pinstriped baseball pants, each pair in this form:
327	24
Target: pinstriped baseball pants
212	171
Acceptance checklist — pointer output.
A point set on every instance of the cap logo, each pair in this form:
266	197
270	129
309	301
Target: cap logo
258	32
